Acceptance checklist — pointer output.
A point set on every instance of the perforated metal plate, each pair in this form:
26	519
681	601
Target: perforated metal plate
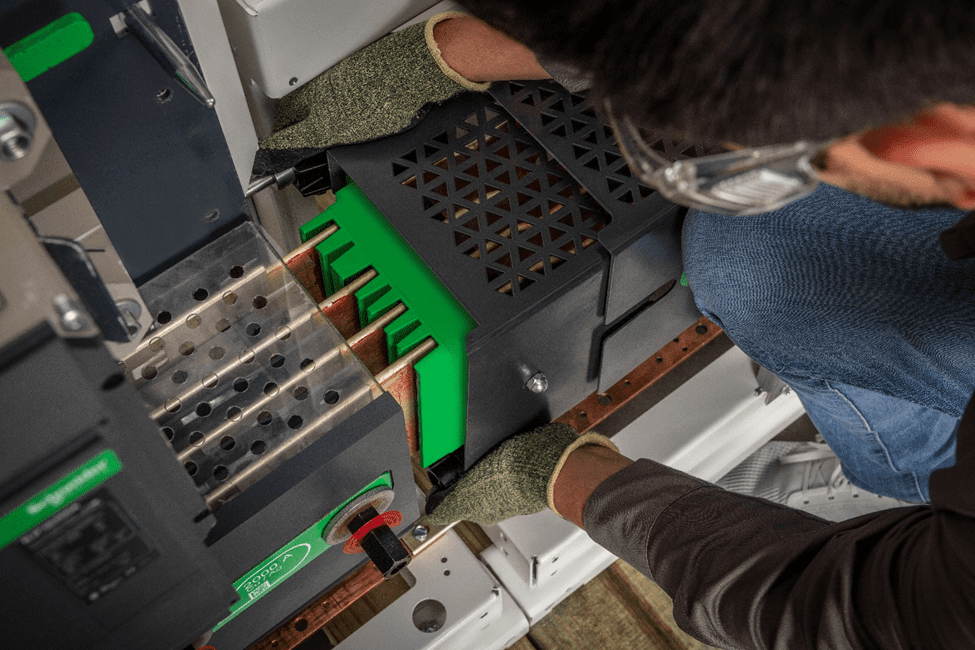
242	370
497	219
567	125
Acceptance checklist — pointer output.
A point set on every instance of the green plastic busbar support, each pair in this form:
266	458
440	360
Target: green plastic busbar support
50	45
330	250
369	294
287	560
442	374
400	329
403	346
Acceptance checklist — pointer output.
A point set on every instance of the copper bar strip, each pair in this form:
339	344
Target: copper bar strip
204	306
235	363
311	243
409	359
255	407
377	325
598	406
322	610
342	308
231	487
402	386
362	280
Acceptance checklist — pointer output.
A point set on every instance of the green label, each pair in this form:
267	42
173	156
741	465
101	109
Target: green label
52	500
289	558
50	45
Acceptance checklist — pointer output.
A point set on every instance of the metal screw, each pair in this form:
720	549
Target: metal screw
17	124
538	383
71	316
420	533
130	310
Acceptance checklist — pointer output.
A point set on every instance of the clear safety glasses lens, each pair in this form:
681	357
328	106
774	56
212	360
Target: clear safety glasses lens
750	181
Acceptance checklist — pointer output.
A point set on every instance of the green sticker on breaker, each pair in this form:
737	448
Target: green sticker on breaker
52	500
289	558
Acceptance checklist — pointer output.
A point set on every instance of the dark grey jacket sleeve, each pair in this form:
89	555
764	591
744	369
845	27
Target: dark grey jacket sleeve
748	573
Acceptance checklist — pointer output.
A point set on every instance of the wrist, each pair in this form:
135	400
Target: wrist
581	473
480	53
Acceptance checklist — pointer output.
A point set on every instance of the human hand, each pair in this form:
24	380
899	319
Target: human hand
378	91
517	478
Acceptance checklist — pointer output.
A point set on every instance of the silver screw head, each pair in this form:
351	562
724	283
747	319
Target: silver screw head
420	533
17	124
71	316
538	383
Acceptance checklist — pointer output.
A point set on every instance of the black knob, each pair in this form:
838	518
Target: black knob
379	542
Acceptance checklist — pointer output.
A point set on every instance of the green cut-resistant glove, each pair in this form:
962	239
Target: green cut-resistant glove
378	91
517	478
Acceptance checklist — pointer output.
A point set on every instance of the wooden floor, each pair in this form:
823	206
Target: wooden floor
619	609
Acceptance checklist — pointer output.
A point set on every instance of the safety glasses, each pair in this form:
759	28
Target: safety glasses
748	181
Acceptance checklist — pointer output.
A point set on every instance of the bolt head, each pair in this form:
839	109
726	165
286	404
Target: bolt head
73	320
16	131
420	533
538	383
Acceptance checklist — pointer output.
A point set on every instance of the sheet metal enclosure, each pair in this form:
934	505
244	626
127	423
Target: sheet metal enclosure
522	206
152	160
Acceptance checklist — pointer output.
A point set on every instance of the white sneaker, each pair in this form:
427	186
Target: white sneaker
806	476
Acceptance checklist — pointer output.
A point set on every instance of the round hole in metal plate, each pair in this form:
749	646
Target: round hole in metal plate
149	372
163	317
258	447
180	376
264	418
283	333
252	329
168	432
201	294
295	422
429	616
260	302
270	389
331	397
210	380
247	356
301	624
187	348
193	321
197	438
227	443
190	467
216	353
237	271
240	384
230	298
221	473
203	409
300	393
173	404
234	413
156	344
307	365
222	325
276	361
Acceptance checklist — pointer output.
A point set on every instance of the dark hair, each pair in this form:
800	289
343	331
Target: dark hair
755	71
